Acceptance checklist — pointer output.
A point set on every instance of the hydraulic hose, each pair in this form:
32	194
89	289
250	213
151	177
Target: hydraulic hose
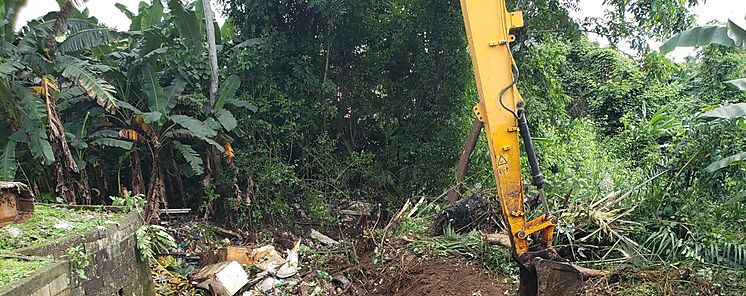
528	145
537	178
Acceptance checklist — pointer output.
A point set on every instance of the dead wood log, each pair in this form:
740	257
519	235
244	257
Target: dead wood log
463	163
498	239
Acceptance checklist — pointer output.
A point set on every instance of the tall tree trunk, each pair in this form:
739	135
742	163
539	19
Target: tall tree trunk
83	187
103	181
213	54
212	49
64	166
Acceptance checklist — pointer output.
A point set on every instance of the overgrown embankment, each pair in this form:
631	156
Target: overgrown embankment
65	251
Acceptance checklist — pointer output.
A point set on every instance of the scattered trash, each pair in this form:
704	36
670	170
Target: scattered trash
355	210
13	231
169	276
322	238
64	225
230	253
341	281
290	268
228	233
267	258
229	269
224	278
268	284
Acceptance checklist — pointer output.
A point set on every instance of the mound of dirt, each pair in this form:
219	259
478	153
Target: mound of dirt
445	277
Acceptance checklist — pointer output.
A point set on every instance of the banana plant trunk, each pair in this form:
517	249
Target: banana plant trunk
137	182
83	187
64	166
156	188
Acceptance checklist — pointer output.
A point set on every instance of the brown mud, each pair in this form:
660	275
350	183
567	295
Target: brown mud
445	276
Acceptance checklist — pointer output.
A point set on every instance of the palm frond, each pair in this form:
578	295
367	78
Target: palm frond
193	125
33	107
227	91
86	39
9	67
227	120
104	133
191	157
96	88
173	91
154	91
70	97
131	135
111	142
186	22
241	104
41	149
181	133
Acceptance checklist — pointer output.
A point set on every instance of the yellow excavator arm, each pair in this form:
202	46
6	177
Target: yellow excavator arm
501	110
488	25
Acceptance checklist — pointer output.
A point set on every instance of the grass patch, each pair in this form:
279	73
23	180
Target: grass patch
14	269
470	246
684	279
49	223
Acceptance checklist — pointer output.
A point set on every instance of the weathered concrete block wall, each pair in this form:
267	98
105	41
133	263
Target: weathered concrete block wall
115	268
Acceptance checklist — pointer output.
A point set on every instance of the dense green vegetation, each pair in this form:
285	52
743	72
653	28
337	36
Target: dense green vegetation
327	101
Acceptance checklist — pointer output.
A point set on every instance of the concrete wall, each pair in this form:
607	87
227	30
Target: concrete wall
115	267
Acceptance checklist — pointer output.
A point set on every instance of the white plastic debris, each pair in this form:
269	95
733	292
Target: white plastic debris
225	278
269	284
290	268
64	225
267	258
13	231
322	238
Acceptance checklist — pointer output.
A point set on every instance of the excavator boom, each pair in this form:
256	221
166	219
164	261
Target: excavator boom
501	110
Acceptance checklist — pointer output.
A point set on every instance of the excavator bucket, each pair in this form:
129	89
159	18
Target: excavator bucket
544	273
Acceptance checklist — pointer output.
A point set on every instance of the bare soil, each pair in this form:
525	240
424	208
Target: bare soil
444	276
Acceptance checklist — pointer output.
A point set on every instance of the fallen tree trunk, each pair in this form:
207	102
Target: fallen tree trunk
497	239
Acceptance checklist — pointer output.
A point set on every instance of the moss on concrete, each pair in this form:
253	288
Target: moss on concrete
50	222
15	269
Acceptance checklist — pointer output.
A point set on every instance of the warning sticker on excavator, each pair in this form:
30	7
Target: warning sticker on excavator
502	161
502	165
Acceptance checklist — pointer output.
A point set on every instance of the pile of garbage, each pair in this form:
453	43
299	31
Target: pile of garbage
211	266
228	276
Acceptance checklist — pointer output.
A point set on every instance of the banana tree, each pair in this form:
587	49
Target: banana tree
732	34
40	65
168	119
162	130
